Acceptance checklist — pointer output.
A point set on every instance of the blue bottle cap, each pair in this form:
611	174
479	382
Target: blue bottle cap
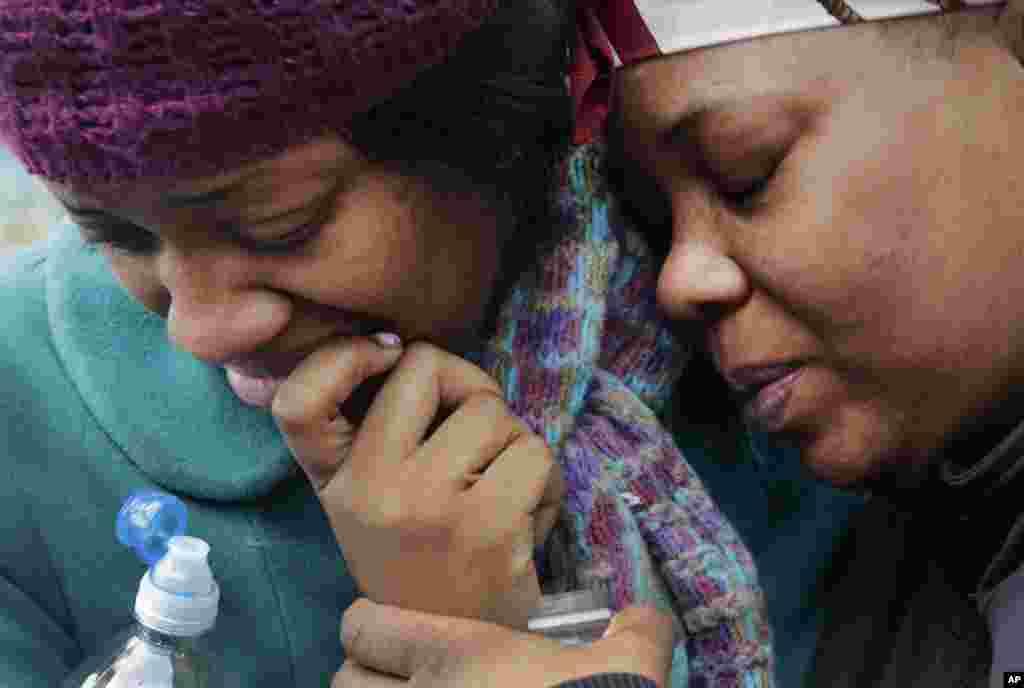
147	520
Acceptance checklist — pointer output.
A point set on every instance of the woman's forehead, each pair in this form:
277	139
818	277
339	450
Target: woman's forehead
326	156
787	63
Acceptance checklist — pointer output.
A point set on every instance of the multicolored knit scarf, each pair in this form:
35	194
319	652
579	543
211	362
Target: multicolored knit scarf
587	360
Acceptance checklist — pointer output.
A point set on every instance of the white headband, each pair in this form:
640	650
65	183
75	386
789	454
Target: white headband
616	32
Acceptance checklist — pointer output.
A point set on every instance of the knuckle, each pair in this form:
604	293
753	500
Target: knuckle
490	404
535	445
344	678
289	412
422	354
352	625
439	669
490	385
292	423
383	514
365	360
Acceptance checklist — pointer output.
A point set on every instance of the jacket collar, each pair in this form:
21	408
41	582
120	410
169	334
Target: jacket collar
986	492
992	473
171	415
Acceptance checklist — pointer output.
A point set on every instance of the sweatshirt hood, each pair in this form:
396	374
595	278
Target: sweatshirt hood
170	414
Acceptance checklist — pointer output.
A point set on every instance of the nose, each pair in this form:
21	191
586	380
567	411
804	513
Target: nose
699	279
217	309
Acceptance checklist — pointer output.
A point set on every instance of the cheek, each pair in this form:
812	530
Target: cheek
859	250
875	253
428	264
137	276
859	430
461	267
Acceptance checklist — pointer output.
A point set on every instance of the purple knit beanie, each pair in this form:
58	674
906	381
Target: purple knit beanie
99	92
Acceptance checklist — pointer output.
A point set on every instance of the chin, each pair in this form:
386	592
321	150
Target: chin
861	466
833	457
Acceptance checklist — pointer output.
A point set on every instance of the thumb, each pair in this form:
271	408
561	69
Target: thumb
1011	26
395	641
306	405
646	634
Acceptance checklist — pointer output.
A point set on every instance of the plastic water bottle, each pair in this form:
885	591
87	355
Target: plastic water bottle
176	604
579	617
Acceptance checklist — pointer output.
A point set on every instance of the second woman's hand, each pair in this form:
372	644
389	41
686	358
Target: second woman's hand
444	522
387	647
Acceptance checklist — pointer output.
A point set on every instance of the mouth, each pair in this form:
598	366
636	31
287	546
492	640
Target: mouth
255	379
253	391
764	392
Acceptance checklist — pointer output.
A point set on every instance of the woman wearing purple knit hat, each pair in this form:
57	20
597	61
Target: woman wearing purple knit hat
315	283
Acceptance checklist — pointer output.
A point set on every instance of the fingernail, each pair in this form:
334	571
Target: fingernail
388	340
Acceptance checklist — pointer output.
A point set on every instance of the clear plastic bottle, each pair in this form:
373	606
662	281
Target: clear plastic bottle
176	604
573	618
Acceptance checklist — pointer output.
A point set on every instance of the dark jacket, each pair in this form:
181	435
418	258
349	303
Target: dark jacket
916	581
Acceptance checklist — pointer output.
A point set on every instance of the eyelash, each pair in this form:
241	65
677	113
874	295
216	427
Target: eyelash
119	238
131	240
293	242
746	199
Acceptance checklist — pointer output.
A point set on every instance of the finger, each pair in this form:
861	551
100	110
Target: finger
638	640
425	380
351	675
516	604
305	406
470	438
399	642
550	505
517	481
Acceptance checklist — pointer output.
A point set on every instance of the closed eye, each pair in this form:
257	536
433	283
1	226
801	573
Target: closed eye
121	237
292	242
745	197
99	229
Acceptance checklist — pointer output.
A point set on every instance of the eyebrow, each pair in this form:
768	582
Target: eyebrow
207	198
688	124
175	201
682	132
75	210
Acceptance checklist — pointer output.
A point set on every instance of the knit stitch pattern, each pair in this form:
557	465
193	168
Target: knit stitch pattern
588	361
126	89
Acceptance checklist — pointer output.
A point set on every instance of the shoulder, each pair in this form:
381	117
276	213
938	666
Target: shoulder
22	280
34	379
23	312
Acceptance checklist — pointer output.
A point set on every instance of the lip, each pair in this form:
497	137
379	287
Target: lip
746	379
281	364
764	391
269	365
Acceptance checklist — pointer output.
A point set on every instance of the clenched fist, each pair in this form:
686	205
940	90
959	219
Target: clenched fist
439	496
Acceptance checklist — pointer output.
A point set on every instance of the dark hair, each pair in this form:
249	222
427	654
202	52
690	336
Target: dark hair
940	36
494	121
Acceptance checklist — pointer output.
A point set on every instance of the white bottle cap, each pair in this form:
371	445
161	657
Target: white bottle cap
179	596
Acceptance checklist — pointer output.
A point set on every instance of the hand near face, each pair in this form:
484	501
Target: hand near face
387	647
443	521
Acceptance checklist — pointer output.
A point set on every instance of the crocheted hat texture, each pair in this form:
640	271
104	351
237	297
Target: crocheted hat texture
108	91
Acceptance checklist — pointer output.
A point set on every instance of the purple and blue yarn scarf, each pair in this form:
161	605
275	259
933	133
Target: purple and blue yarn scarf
587	360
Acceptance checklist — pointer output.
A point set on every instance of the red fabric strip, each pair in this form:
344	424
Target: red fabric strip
627	30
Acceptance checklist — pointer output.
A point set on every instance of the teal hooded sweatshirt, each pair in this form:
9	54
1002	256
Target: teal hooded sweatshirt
96	404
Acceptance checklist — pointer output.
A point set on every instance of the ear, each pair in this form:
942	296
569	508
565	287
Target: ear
1011	26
